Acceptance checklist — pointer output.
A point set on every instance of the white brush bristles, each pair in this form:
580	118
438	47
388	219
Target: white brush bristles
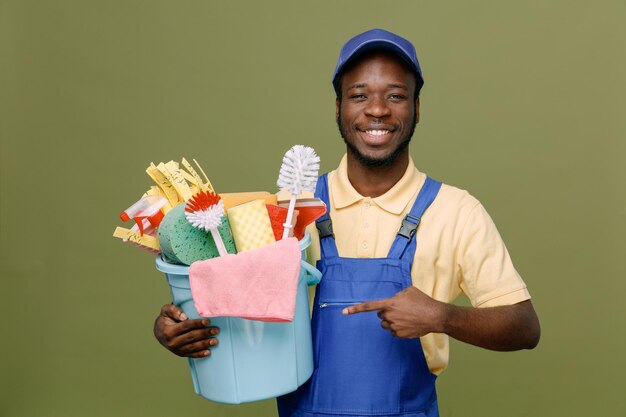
207	219
299	170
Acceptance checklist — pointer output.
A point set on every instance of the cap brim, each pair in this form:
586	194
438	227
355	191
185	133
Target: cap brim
381	45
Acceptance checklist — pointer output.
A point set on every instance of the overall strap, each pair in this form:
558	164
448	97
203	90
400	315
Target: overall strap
324	224
404	245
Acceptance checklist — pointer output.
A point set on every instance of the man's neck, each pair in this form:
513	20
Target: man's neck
375	181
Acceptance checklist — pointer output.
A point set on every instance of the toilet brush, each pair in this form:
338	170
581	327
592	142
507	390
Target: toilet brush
298	173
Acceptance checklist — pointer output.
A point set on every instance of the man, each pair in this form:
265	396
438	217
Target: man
396	243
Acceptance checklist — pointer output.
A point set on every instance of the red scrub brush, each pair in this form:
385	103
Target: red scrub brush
298	173
204	211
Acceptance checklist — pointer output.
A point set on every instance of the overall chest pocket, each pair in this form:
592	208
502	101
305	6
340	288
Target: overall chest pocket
362	368
356	360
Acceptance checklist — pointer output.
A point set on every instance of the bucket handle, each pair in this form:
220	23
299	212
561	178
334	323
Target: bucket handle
313	274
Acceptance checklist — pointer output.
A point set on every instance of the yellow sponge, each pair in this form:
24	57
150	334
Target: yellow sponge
250	225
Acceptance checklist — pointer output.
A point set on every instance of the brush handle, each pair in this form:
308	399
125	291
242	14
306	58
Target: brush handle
219	243
287	226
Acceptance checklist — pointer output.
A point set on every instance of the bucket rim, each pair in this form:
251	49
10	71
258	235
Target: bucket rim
177	269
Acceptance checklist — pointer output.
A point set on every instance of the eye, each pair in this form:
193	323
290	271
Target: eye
397	97
358	97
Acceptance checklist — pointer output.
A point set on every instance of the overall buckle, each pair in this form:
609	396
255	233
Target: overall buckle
325	228
409	226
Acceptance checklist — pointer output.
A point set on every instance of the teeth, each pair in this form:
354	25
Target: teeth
377	132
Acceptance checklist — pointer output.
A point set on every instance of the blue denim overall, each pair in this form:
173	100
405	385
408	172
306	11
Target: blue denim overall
360	368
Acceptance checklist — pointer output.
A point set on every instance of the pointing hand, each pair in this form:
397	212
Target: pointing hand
408	314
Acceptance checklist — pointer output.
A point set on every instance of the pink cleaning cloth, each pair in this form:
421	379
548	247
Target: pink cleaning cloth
259	284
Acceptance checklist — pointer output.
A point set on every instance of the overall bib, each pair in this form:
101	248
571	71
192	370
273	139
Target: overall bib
360	368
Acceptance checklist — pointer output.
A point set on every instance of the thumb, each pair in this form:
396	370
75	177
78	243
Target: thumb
366	306
174	312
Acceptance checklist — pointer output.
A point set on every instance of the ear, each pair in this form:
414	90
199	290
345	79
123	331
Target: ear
337	105
417	110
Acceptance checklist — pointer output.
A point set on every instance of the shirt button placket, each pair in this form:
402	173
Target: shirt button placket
365	242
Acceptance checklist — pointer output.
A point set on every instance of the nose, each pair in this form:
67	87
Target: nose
377	107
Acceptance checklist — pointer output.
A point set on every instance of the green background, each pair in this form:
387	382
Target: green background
523	105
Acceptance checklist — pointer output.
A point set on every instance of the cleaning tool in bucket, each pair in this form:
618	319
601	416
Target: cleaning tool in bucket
174	184
146	212
251	226
145	241
298	173
258	285
234	199
205	211
254	360
278	216
181	243
308	209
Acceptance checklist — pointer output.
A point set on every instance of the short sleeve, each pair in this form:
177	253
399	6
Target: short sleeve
487	274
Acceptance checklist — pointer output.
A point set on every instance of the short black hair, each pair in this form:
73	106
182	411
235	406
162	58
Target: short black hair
419	83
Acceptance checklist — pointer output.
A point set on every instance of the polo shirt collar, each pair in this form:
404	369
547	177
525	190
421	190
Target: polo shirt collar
394	201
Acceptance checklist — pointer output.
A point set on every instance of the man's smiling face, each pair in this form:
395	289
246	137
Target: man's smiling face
378	110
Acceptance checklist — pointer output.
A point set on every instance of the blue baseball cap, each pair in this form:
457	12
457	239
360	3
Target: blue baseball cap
378	39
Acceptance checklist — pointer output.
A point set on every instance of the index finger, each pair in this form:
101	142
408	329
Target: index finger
366	306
